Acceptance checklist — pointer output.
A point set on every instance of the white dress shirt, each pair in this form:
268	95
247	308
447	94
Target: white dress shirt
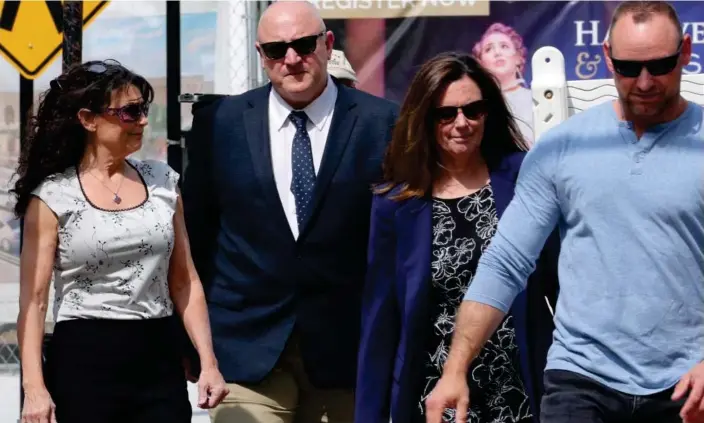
281	133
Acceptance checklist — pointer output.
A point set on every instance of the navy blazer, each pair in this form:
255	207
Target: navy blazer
395	304
260	281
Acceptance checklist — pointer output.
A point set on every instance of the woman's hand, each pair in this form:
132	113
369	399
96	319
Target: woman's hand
38	407
212	388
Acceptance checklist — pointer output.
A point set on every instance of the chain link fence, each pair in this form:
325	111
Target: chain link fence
9	353
237	67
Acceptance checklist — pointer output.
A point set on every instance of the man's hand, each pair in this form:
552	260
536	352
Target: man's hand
451	391
474	325
692	382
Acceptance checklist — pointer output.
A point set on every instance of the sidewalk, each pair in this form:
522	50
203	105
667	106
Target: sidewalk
10	401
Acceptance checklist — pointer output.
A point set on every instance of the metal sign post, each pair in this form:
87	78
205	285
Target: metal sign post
174	149
73	33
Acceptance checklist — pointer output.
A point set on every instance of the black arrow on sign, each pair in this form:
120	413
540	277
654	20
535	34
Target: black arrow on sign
56	14
9	14
11	7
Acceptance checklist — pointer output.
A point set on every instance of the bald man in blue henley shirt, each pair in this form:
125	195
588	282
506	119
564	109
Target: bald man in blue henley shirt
624	182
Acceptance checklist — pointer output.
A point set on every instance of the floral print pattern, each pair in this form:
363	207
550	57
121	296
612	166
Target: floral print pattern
113	264
462	229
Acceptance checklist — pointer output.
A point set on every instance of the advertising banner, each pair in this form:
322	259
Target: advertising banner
502	35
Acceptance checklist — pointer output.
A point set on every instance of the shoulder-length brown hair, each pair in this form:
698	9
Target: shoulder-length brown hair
411	161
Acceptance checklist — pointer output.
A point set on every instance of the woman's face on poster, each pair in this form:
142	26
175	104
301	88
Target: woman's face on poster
499	55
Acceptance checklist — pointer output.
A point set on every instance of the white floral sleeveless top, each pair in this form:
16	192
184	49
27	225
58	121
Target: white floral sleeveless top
113	264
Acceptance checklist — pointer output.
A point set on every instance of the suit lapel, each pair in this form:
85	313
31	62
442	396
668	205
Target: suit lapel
343	120
256	125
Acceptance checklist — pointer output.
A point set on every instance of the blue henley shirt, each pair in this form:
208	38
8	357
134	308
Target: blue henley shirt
630	313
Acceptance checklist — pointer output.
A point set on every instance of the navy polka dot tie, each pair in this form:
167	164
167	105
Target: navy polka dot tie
303	175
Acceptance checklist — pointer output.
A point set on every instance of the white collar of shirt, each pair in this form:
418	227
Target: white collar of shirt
318	111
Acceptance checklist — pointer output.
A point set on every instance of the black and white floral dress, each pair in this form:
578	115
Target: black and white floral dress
462	229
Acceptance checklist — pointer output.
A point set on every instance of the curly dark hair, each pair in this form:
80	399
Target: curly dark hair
56	139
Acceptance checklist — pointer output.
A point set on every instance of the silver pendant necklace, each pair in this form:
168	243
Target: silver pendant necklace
116	197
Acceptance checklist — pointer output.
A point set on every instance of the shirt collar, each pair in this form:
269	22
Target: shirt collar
318	111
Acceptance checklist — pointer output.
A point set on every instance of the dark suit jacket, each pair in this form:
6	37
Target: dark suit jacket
260	282
395	304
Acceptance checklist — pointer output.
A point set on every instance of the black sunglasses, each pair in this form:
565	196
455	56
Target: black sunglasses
472	111
129	113
302	46
655	67
99	68
96	68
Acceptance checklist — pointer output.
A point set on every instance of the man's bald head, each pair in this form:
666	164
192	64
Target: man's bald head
301	14
298	64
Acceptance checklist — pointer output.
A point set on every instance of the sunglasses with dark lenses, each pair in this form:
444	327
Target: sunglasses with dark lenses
129	113
99	68
472	111
655	67
107	67
302	46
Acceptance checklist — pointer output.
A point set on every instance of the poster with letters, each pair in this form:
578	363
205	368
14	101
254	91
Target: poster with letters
502	35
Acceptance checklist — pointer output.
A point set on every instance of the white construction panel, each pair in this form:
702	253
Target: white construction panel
234	43
555	98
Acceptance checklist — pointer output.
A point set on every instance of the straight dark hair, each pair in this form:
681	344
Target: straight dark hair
411	160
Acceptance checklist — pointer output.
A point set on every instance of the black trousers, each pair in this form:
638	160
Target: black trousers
117	371
573	398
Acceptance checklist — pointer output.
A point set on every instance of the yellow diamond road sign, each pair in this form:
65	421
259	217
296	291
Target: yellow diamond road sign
31	35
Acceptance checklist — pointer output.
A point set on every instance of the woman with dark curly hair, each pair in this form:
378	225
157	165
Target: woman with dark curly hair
450	171
111	228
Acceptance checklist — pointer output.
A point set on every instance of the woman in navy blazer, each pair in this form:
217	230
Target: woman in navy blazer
450	171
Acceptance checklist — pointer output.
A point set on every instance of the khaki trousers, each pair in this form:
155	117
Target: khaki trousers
285	396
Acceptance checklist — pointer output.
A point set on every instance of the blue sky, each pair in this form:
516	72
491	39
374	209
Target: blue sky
139	43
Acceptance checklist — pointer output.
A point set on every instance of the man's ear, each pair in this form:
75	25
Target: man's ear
262	57
87	119
329	42
686	50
